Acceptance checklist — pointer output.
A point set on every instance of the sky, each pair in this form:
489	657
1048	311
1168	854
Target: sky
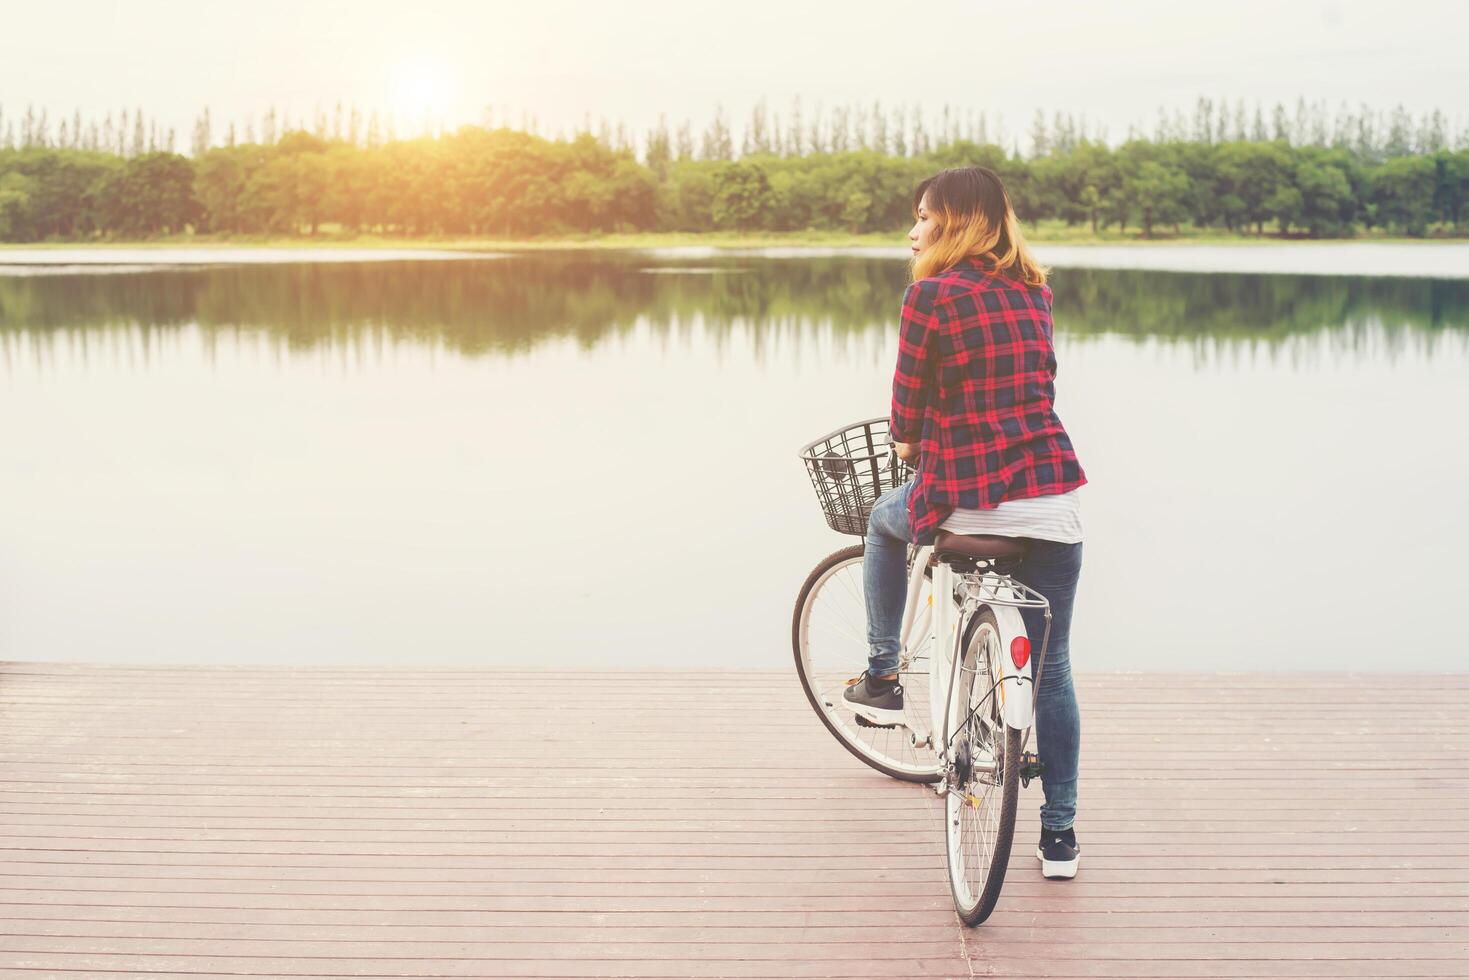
1113	62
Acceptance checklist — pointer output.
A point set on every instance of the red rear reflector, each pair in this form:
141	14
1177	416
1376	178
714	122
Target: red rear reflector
1020	650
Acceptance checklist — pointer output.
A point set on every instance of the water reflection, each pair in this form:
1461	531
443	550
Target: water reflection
508	305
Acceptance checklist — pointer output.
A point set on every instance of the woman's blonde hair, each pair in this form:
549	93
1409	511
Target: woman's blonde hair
974	217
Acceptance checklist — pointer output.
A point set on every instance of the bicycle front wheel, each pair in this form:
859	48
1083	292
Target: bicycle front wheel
829	634
984	783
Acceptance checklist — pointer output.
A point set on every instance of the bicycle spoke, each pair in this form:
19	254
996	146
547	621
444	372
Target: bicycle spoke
857	592
848	633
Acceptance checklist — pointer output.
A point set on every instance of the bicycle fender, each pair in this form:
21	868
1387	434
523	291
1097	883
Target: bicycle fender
1016	692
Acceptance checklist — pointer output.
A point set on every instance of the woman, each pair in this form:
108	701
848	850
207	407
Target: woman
972	400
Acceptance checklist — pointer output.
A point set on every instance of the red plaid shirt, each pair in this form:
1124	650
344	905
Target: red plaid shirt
974	387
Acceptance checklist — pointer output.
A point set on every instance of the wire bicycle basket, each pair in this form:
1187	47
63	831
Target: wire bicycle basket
850	468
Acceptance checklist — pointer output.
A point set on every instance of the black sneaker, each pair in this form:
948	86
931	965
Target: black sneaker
1059	853
873	700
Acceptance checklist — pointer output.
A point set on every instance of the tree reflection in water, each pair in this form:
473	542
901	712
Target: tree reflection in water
508	305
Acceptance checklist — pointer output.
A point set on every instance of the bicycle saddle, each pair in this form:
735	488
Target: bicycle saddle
981	546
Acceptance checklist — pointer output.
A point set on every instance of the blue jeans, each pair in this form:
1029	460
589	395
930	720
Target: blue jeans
1052	569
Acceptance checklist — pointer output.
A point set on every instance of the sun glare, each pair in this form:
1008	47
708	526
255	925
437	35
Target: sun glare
419	89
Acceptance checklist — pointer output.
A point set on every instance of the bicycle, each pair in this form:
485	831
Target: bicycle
984	662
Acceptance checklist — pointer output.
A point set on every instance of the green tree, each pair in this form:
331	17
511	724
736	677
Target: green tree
856	210
1326	204
152	193
1451	186
741	197
1251	173
659	153
1075	188
1090	201
686	201
1199	164
1286	206
15	204
1402	191
1159	193
221	177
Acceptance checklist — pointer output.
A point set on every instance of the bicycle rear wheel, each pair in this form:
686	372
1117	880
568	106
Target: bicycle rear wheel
984	785
829	635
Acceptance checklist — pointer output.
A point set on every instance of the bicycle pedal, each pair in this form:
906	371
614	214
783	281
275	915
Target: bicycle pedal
1031	766
864	723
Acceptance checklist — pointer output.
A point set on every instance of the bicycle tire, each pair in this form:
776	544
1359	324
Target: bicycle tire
818	576
974	909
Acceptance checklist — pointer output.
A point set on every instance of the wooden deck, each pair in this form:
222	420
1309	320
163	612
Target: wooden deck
223	822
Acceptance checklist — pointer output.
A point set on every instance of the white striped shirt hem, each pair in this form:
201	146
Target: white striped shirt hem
1053	517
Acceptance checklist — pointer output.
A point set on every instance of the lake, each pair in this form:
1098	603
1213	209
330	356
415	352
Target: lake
590	458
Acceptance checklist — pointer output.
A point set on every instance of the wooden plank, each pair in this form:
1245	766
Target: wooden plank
141	916
843	956
20	873
157	934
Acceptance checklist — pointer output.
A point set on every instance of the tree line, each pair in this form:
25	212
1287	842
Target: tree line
1288	174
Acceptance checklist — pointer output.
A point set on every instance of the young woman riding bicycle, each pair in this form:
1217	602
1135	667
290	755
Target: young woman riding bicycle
973	398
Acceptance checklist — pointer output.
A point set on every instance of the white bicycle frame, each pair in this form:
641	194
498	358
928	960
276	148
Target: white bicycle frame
942	622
